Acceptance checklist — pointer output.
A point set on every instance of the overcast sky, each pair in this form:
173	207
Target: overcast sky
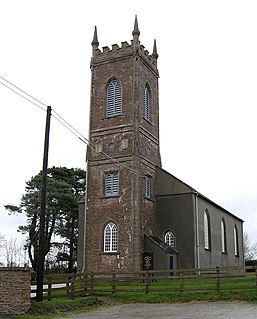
208	83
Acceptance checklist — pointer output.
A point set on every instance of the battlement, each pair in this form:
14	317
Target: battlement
125	49
124	45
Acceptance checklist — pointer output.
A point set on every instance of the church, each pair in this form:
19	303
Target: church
135	211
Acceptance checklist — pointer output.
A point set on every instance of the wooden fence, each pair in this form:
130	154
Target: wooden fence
83	284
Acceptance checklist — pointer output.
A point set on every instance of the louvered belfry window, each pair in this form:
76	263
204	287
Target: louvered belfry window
113	101
148	186
147	112
111	184
110	237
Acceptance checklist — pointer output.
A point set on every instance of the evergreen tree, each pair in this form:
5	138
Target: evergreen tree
64	188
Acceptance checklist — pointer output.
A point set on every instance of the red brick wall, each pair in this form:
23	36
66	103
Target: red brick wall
14	290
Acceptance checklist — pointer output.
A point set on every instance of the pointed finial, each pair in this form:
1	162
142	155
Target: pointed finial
155	54
136	31
95	42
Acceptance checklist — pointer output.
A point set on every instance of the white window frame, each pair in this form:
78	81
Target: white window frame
114	98
236	248
207	228
111	183
169	238
223	236
110	237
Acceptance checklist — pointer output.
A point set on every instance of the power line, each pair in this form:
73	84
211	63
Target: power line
90	144
23	96
68	128
22	91
62	121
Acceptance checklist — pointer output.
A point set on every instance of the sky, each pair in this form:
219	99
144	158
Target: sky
207	91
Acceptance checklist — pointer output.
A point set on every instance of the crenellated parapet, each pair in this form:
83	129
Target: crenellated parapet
124	50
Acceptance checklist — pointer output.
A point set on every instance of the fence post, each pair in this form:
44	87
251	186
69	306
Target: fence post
67	286
181	284
85	281
91	282
256	275
146	288
49	289
218	277
72	286
113	283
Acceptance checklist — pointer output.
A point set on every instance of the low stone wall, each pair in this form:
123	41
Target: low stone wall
14	290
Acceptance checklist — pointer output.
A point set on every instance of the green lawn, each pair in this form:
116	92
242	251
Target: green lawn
103	295
52	309
130	286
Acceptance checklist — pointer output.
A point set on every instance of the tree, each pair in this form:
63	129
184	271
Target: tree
250	251
254	250
13	253
67	226
2	238
64	188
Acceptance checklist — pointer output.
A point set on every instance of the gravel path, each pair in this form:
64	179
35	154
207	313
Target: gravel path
177	311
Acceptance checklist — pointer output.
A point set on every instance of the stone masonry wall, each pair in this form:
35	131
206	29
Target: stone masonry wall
14	290
127	143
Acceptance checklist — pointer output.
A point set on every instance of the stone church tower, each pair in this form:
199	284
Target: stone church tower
122	156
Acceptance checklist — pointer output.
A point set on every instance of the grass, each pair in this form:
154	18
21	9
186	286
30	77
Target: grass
130	286
62	306
181	297
58	307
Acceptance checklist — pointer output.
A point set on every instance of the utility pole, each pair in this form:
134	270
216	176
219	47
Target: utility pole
41	244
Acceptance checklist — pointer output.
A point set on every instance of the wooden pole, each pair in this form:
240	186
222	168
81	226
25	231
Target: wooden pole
41	244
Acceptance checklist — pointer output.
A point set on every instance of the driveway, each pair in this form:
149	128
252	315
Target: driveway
177	311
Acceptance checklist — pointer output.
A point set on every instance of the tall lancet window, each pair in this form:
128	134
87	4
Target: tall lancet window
169	238
113	98
110	237
223	236
147	108
207	230
236	241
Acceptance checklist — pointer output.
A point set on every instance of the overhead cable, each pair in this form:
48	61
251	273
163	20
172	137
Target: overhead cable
62	121
24	97
22	91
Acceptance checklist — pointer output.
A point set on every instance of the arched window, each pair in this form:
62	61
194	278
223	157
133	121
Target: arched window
236	241
147	109
207	230
169	238
113	99
223	236
110	237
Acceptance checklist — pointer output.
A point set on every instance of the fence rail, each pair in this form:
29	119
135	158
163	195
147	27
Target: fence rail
82	284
